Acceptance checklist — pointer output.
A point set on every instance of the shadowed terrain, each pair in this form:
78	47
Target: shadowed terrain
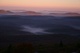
42	34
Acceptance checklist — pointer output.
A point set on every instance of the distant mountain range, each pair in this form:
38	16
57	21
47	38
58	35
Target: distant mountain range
66	14
71	13
4	12
39	13
32	13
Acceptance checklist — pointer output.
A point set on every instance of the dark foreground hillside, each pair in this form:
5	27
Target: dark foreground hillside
39	34
57	43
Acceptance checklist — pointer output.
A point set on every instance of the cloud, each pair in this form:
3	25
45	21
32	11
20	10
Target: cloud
34	30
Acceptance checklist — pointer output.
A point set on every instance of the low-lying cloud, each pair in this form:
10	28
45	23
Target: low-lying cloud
34	30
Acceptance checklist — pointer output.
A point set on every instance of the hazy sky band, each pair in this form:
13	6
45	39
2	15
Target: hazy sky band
42	4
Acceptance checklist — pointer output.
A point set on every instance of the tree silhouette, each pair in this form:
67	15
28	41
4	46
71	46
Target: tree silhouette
9	49
61	44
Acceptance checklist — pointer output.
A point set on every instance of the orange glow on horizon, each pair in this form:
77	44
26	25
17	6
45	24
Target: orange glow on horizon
58	4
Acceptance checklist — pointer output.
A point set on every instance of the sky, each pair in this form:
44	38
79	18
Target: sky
50	5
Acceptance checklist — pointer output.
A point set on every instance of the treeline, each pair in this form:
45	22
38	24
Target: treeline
41	48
